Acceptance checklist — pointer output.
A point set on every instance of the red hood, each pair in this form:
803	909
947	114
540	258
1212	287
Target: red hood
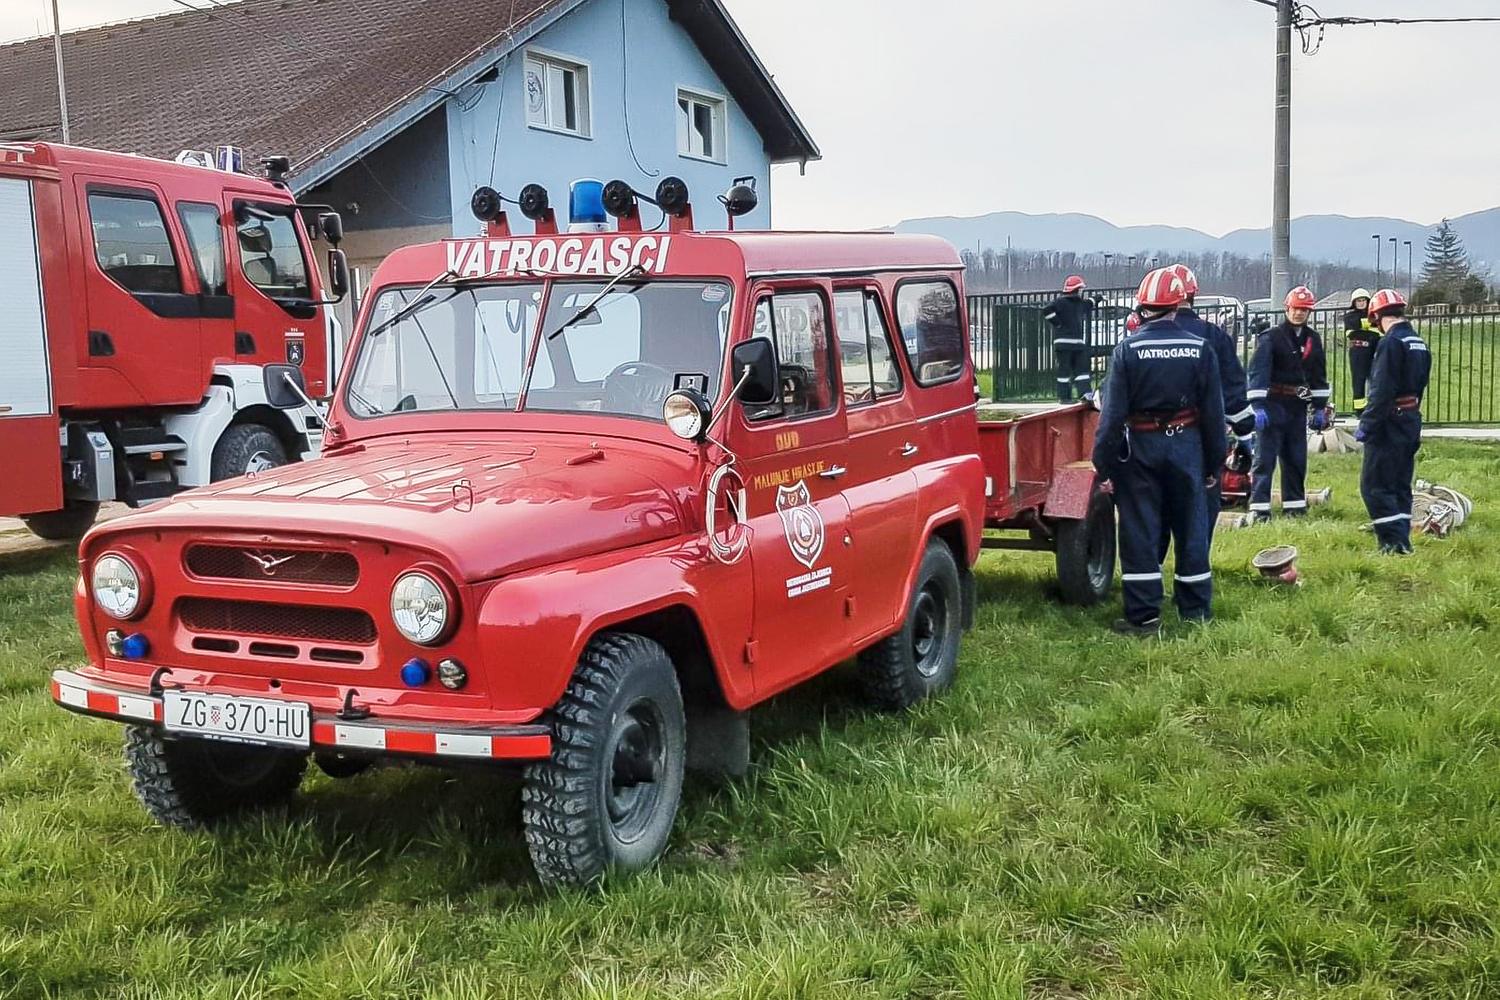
487	508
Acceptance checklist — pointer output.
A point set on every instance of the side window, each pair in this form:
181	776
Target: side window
797	323
867	365
931	332
205	240
270	254
132	243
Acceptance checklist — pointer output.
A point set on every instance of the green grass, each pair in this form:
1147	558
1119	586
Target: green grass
1302	800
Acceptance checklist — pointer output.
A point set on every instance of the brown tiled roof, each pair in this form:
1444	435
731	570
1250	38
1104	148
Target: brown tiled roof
300	77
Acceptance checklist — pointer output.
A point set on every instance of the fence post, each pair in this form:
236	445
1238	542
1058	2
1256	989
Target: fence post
995	308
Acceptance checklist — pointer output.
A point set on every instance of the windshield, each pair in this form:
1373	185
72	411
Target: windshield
465	348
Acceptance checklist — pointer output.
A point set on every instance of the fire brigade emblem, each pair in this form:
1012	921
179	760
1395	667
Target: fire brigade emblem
296	352
802	522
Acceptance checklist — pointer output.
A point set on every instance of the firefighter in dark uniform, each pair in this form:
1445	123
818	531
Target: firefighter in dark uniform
1070	315
1362	335
1391	426
1288	374
1161	442
1237	411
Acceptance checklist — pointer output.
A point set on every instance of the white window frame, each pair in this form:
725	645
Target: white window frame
583	72
719	104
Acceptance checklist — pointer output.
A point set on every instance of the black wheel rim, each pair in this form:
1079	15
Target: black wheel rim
636	756
929	626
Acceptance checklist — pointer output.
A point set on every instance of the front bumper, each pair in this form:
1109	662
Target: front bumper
86	696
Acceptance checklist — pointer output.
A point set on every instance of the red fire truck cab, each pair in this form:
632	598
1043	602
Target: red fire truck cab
586	497
147	304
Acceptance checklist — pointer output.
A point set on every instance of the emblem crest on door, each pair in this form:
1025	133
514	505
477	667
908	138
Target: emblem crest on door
296	349
802	523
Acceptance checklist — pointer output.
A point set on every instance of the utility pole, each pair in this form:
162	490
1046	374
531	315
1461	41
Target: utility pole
1281	198
62	83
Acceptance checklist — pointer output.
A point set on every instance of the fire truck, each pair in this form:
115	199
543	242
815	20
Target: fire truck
147	303
586	498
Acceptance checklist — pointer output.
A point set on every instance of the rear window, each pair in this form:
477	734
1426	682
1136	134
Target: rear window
931	333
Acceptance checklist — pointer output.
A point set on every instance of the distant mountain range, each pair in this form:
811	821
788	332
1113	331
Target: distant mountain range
1332	238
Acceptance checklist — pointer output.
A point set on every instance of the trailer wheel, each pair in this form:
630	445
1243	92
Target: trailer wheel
922	658
192	783
338	765
1086	553
75	518
246	448
607	797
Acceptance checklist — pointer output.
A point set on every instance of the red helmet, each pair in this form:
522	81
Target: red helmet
1189	279
1161	289
1384	299
1073	284
1132	322
1301	297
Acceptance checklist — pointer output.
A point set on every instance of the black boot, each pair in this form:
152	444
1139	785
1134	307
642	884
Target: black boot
1144	630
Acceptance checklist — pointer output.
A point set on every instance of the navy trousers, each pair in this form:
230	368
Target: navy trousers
1284	443
1385	479
1160	488
1072	372
1214	502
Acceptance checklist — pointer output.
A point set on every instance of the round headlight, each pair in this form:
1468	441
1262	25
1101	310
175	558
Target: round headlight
117	586
419	607
687	414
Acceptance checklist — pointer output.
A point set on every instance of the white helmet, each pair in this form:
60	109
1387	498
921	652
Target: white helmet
1359	293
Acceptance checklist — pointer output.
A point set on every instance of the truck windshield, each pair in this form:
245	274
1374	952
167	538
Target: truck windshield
465	347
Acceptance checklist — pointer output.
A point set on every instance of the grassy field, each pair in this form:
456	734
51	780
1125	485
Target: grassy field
1302	799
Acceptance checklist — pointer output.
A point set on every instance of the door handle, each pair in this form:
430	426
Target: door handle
909	449
833	472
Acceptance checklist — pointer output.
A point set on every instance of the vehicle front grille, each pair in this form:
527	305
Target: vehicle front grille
273	565
282	621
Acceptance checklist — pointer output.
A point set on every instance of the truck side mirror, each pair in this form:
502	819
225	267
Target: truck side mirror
338	274
332	225
756	371
279	393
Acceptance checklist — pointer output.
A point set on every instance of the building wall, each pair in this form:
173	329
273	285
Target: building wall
490	142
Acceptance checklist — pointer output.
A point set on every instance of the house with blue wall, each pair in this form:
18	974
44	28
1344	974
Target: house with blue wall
394	111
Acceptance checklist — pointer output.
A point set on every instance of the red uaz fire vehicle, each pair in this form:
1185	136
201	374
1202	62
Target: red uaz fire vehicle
146	305
586	497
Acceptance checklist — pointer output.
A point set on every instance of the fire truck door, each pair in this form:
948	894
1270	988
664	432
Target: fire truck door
28	419
143	319
271	278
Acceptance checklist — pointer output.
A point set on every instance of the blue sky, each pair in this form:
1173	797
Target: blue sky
1140	111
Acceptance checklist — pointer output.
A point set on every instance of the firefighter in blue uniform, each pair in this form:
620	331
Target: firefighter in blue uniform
1363	337
1237	411
1391	426
1161	442
1070	315
1288	373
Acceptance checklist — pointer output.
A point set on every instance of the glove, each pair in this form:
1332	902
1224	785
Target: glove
1262	418
1359	433
1319	420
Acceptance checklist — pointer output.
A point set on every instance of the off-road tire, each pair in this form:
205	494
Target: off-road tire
921	659
1086	553
623	696
75	518
193	783
243	448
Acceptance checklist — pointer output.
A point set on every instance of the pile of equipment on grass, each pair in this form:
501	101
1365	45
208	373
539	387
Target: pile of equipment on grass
1438	510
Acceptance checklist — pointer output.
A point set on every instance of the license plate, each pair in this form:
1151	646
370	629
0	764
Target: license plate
243	720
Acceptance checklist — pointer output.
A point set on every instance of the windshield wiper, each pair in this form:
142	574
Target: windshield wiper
424	299
588	310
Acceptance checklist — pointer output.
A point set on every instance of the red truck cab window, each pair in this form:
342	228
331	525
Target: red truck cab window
132	244
931	330
797	323
270	253
867	361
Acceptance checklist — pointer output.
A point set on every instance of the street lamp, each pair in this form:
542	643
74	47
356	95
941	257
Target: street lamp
1411	280
1376	238
1395	262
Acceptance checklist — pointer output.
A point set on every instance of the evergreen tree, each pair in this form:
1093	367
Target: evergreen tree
1447	263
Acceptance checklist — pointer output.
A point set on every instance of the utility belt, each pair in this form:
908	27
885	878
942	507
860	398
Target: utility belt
1299	392
1163	423
1407	404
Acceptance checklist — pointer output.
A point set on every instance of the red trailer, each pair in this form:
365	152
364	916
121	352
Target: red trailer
144	303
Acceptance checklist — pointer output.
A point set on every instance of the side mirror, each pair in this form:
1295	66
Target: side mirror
332	225
763	385
278	393
338	274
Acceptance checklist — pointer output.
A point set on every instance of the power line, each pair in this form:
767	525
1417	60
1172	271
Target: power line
1355	21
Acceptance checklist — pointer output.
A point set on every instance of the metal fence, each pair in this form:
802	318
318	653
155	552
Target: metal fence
1012	346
